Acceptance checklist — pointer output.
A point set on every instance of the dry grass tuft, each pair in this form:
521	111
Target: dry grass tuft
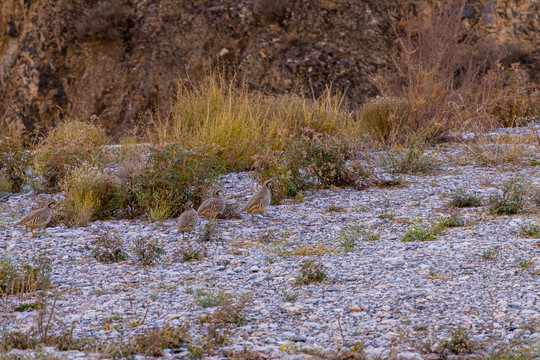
241	123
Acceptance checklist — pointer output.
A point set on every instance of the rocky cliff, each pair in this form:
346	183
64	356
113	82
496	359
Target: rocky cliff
121	59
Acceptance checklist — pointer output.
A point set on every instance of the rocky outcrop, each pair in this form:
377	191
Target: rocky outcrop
122	59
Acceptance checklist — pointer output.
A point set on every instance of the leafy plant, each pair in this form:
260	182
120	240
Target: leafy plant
410	161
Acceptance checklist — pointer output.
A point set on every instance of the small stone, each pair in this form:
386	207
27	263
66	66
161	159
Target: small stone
407	355
255	268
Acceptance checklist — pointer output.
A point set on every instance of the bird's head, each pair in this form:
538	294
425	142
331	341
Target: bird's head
189	205
218	192
267	182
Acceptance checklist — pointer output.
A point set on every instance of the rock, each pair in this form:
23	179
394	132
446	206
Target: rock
409	356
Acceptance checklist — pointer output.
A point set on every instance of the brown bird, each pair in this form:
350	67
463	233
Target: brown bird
259	202
37	218
210	208
188	220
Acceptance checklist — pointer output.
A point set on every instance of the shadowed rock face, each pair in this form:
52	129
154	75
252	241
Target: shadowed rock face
122	59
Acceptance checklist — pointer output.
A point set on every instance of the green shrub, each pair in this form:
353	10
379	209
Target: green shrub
386	119
14	158
314	161
510	202
67	146
174	175
92	194
311	272
462	199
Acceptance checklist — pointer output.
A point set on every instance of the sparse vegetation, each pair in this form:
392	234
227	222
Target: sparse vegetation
410	161
388	214
290	296
24	277
421	231
490	254
349	236
230	213
530	230
335	209
109	249
229	310
460	342
209	232
510	202
454	220
386	119
147	250
463	199
191	252
311	272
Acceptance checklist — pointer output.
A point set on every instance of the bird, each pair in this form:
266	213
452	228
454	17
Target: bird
188	220
210	208
258	202
37	218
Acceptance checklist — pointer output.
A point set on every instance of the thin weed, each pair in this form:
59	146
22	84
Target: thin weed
290	296
410	161
460	342
490	254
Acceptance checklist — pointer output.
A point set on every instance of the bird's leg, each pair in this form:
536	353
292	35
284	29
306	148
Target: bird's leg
32	230
252	219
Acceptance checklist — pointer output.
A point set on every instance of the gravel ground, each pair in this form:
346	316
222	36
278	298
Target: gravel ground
388	295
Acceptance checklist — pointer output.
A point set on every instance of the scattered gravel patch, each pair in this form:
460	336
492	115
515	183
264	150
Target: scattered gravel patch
373	295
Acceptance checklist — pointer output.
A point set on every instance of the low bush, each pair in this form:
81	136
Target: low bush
460	342
147	251
510	202
530	230
67	146
92	194
462	199
229	310
174	175
14	158
109	249
311	272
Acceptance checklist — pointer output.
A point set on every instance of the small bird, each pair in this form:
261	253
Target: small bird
212	207
37	218
188	220
258	202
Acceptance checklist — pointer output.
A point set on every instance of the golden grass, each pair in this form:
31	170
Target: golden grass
242	123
